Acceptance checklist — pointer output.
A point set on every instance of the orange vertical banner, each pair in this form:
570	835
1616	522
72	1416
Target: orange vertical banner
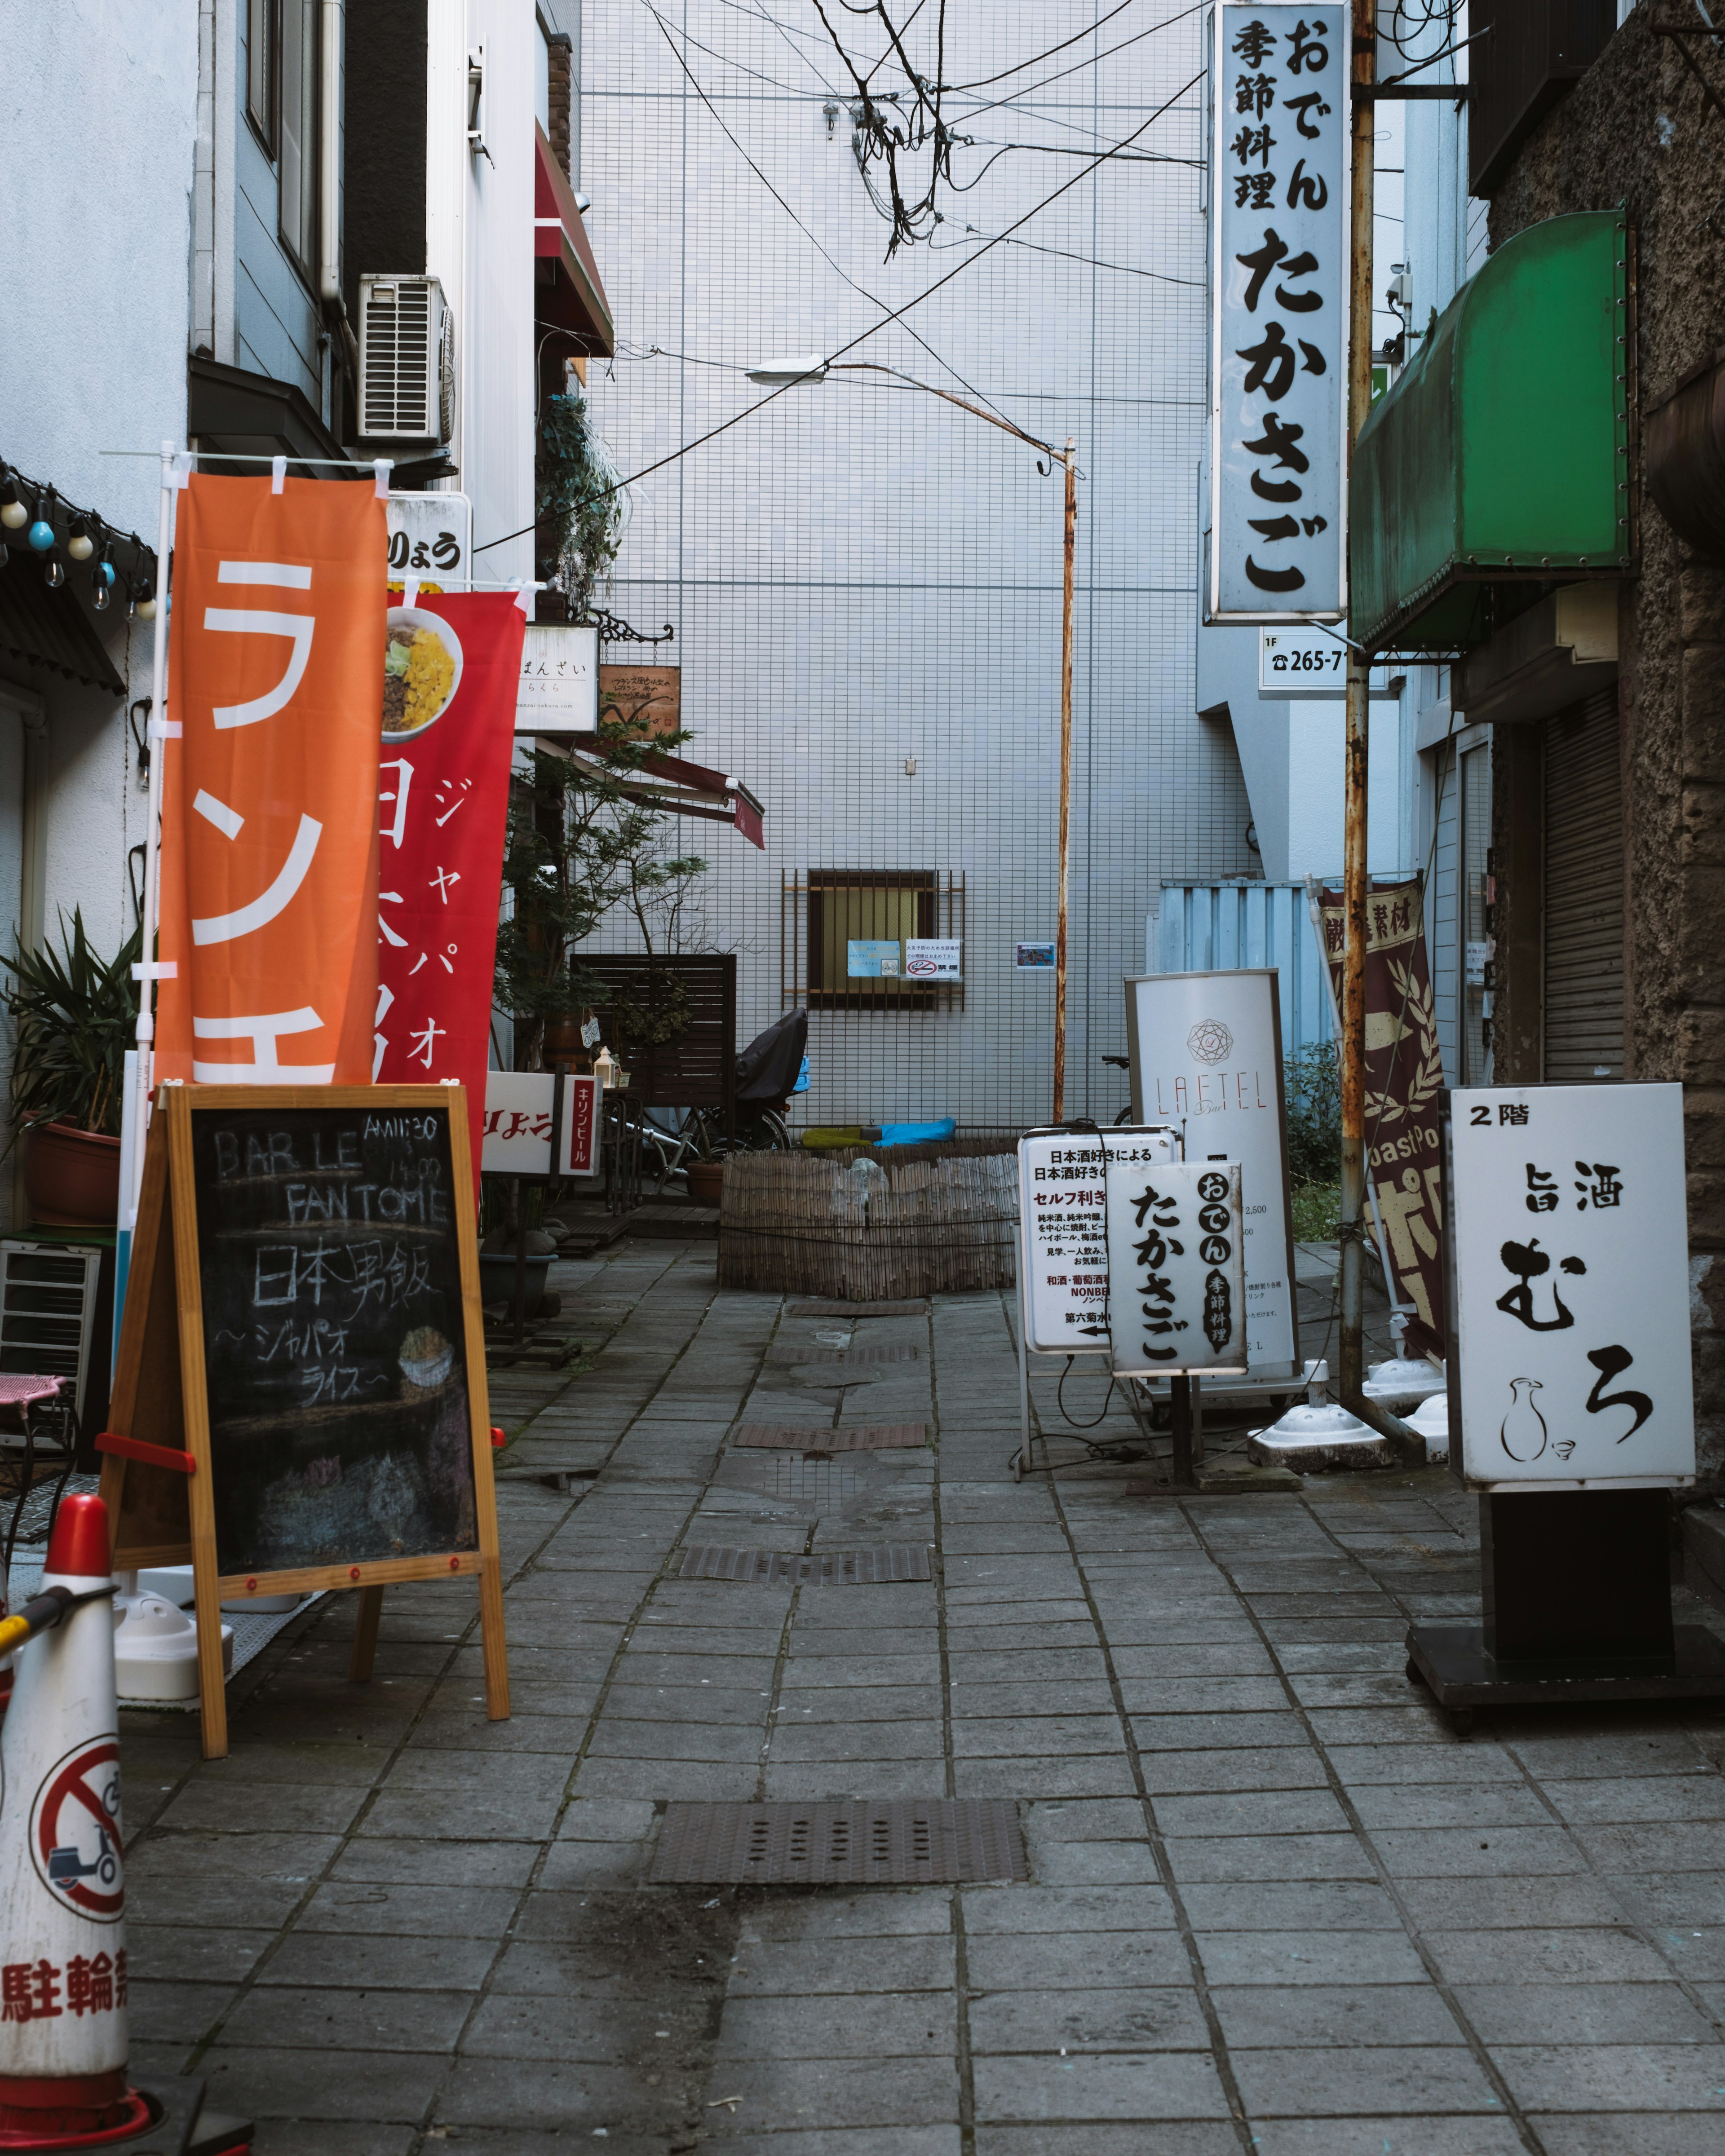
268	819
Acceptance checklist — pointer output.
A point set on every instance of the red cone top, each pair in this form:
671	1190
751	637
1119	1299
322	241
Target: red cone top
78	1545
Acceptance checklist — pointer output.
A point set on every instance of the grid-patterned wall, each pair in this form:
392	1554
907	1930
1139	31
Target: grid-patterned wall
859	574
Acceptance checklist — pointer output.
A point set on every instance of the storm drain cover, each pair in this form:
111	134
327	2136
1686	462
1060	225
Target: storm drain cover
858	1567
857	1310
818	1437
777	1354
942	1842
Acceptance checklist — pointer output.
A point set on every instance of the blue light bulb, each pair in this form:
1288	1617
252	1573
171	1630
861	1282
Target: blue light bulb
42	535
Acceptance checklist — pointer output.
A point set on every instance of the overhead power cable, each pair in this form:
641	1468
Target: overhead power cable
693	83
898	314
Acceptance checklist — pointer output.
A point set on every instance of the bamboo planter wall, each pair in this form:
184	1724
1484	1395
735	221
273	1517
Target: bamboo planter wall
869	1223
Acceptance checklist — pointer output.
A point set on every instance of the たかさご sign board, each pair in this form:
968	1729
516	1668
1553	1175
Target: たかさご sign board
1176	1272
1063	1269
1568	1360
300	1398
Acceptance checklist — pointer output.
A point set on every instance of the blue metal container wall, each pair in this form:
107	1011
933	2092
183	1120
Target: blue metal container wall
1217	926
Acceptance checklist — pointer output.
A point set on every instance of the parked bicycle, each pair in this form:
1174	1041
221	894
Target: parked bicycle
768	1071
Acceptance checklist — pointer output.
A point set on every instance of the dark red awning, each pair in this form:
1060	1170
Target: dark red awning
682	788
566	287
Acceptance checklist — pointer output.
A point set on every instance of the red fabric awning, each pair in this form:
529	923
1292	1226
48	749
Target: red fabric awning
683	788
566	287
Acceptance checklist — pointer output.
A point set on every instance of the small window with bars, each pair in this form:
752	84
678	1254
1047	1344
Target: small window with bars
845	931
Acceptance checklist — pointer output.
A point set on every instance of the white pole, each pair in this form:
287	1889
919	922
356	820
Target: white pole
147	972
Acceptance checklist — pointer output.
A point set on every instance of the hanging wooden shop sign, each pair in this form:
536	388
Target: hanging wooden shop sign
300	1402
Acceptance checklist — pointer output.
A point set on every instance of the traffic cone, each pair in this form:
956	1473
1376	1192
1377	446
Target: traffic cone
62	2020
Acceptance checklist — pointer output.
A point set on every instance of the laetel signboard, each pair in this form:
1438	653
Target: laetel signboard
1279	108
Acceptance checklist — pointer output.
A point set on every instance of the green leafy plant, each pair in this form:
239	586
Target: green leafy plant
580	504
75	1015
1313	1081
577	844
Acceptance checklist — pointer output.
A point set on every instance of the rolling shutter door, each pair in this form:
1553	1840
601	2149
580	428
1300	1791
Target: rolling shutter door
1583	893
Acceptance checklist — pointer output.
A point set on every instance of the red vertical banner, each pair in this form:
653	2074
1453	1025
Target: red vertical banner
1405	1077
453	668
268	834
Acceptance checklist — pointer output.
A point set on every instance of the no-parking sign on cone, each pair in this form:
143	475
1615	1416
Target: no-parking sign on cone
63	1976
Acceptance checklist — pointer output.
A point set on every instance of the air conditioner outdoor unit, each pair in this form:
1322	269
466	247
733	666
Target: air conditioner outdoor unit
407	361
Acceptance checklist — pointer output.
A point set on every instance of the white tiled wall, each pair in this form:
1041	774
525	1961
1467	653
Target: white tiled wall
859	573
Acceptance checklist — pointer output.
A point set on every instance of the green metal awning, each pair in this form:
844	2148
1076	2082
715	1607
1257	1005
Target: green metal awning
1498	464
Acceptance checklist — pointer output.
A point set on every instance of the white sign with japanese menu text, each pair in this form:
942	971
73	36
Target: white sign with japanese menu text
1063	1273
1568	1296
1279	110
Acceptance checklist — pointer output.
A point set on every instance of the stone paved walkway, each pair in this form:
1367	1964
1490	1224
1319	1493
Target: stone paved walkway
1275	1906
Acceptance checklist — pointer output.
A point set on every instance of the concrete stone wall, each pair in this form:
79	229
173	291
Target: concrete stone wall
1639	130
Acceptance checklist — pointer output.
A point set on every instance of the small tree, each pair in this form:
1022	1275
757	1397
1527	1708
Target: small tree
577	845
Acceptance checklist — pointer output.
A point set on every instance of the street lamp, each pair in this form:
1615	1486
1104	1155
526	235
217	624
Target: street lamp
787	373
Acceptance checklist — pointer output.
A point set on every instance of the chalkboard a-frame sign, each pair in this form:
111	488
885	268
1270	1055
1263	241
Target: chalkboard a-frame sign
299	1401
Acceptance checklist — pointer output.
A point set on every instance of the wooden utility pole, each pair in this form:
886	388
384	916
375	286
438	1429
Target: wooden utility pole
1059	1040
1361	210
1351	1362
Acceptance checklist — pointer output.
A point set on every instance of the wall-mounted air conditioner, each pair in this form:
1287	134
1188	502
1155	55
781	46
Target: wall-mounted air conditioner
407	361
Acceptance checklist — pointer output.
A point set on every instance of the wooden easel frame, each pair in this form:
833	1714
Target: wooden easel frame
157	1467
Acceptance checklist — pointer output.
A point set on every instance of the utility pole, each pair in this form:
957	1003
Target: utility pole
1059	1040
1362	209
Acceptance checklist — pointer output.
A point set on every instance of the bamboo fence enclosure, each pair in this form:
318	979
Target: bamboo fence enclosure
865	1223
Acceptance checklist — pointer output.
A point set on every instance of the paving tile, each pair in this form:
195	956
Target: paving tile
1462	2136
1141	2087
274	2081
323	2018
1416	2081
1305	1957
1018	2023
356	1961
1266	1906
1268	2017
1281	1766
1576	1955
1566	2014
878	2025
1282	1856
801	1968
1621	2077
1040	1965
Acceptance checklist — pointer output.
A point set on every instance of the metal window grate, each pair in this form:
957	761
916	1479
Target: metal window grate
818	1437
945	1842
48	1310
859	1567
824	910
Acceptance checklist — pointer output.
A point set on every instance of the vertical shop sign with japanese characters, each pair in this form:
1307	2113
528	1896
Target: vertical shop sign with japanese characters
1206	1056
1569	1359
1176	1267
268	822
1279	93
1062	1206
1405	1082
443	798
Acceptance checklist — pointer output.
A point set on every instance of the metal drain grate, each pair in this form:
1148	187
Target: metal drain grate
942	1842
860	1568
818	1437
857	1310
778	1355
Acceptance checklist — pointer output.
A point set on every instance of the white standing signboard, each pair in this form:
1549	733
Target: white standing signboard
1569	1292
1279	110
1178	1285
521	1111
1063	1268
1206	1056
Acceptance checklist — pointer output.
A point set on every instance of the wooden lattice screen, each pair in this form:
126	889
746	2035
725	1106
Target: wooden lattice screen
697	1067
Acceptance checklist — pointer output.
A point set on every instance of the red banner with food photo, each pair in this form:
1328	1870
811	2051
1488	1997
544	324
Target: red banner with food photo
268	841
450	673
1405	1082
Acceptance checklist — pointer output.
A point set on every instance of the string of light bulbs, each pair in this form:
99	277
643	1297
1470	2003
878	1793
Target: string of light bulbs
37	511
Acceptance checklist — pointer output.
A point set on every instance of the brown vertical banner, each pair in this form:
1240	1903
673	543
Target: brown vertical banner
1405	1077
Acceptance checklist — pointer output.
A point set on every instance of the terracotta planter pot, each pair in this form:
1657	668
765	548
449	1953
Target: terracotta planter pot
72	1177
706	1181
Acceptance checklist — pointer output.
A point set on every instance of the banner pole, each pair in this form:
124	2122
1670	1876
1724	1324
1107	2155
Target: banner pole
152	832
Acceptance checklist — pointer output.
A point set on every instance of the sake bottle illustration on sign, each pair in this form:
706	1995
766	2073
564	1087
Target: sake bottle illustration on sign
1523	1427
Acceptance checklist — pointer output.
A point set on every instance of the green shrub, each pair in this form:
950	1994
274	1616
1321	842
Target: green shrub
1314	1090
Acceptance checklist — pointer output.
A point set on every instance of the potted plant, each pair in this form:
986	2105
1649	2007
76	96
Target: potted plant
73	1014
